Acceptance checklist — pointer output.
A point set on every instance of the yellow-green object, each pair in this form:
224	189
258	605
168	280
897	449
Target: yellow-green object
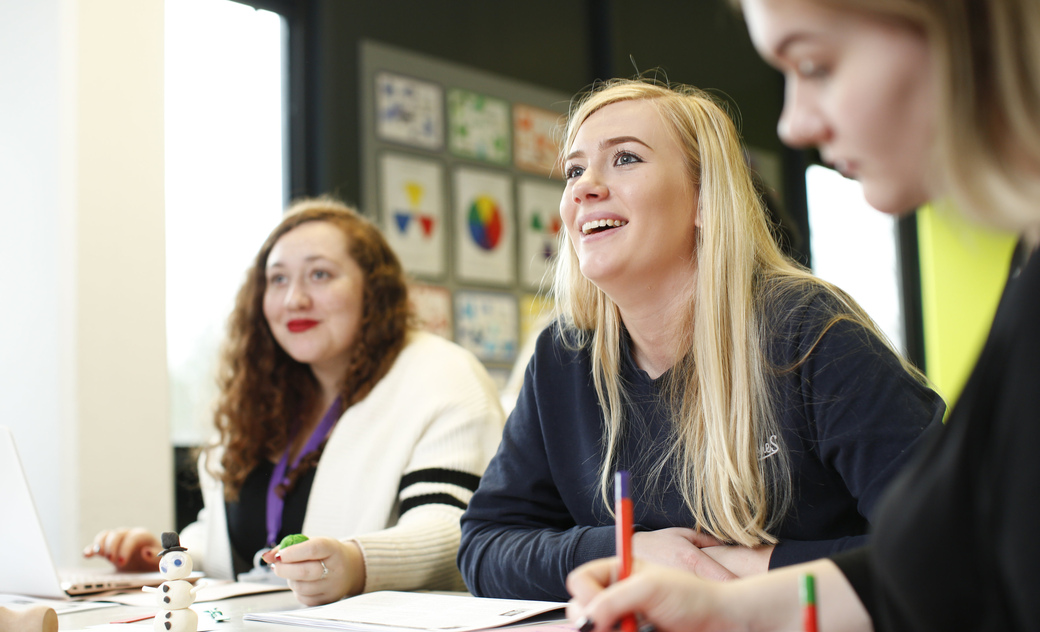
290	540
963	270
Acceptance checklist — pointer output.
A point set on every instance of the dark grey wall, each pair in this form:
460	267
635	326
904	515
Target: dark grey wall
557	44
704	43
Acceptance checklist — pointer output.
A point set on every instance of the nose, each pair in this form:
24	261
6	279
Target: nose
296	297
588	186
801	123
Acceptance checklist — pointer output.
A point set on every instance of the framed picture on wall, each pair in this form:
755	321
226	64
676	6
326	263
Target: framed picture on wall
534	140
409	111
535	314
432	307
484	241
486	324
412	204
478	127
539	228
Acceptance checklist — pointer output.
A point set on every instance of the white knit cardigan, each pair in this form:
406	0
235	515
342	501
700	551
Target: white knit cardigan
436	409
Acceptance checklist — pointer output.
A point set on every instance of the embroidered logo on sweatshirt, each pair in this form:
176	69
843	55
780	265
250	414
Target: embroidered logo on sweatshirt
769	448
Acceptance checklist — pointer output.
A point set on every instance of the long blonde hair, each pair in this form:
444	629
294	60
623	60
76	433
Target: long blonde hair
720	391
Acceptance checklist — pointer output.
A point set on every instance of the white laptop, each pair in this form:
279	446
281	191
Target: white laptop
26	564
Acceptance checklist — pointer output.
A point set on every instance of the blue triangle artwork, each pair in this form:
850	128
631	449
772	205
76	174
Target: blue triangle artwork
404	219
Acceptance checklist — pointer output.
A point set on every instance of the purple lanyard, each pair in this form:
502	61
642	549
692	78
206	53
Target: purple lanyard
275	502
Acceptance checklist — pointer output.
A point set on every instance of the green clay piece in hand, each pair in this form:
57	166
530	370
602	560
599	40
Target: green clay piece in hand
290	540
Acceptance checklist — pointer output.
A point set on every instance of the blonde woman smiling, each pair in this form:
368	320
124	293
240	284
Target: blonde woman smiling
757	408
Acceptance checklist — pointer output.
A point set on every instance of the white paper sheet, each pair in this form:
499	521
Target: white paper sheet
390	611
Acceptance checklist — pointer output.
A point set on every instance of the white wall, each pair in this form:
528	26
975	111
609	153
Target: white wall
34	250
82	332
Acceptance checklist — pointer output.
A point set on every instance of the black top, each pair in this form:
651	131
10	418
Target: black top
848	415
957	544
247	517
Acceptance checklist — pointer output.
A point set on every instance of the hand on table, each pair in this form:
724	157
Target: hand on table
700	553
128	549
320	570
679	547
742	561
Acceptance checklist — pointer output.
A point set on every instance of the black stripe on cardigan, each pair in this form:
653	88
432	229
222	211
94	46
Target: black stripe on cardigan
430	499
440	475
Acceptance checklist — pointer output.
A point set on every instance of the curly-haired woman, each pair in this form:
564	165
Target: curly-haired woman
335	420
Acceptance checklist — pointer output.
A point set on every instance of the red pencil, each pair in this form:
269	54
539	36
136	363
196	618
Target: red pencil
623	531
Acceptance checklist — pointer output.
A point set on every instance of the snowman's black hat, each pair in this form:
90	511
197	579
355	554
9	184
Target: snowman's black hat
171	542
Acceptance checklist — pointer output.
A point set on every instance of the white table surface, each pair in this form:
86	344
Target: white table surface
234	608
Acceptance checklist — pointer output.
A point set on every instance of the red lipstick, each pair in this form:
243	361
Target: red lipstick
301	324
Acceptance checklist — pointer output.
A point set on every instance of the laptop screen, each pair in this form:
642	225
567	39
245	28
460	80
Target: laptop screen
26	565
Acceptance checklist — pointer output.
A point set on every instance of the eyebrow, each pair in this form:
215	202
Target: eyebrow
610	142
780	50
309	259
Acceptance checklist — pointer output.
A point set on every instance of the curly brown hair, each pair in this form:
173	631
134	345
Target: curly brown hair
262	389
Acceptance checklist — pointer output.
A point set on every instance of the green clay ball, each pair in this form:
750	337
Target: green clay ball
290	540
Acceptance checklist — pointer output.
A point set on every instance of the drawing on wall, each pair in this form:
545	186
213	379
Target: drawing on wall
539	227
478	126
412	208
535	315
432	307
486	324
484	249
534	140
409	111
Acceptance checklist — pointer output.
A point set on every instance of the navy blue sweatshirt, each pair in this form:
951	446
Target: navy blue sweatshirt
849	415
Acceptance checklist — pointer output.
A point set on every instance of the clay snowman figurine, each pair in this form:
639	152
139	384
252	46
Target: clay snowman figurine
175	595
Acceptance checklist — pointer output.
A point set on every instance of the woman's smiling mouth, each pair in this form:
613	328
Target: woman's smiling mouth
599	225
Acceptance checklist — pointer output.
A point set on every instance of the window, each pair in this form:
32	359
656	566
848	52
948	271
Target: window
856	248
226	187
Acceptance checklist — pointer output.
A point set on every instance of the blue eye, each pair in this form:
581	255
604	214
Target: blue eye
178	562
623	157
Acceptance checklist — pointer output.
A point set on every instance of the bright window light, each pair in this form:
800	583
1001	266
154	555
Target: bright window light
225	184
855	247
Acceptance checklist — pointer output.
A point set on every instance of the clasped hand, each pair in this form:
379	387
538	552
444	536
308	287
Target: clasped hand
700	553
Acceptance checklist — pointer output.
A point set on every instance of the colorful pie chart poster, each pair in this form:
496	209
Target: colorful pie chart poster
413	212
484	241
478	127
539	227
409	111
486	324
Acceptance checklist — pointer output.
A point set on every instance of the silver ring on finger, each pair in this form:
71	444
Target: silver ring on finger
324	570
